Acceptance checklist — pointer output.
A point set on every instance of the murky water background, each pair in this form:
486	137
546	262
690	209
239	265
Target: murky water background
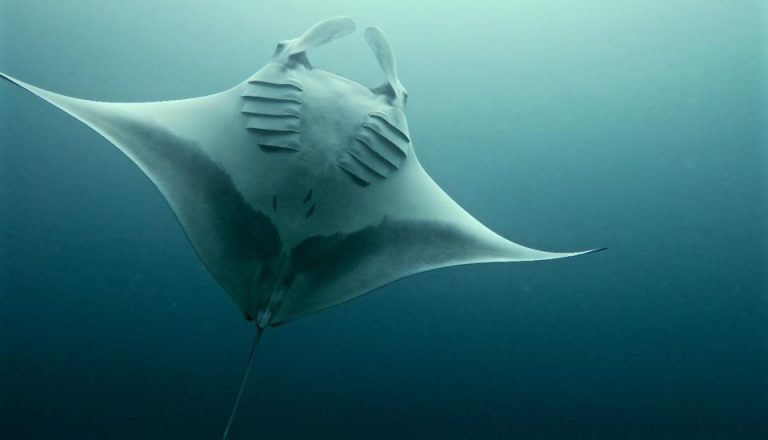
640	126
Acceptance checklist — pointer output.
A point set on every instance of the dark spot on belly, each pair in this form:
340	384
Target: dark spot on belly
308	197
311	211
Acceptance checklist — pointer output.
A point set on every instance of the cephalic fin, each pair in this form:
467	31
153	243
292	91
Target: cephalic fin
319	34
385	55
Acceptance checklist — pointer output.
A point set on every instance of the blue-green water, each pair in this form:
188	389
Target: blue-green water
640	126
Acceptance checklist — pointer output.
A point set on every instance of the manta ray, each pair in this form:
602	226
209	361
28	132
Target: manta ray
298	188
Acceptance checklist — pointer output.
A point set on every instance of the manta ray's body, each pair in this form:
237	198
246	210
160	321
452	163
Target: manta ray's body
298	188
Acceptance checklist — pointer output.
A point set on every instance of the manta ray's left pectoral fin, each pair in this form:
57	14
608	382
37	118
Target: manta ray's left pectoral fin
133	127
232	239
95	115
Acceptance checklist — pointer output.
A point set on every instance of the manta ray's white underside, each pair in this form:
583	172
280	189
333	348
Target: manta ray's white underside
298	188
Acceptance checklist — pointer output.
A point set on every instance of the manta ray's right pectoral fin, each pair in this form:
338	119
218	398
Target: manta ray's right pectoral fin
385	55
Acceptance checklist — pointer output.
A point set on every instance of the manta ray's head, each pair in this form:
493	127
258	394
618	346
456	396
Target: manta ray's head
332	122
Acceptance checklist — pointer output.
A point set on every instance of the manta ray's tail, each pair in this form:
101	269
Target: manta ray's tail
259	331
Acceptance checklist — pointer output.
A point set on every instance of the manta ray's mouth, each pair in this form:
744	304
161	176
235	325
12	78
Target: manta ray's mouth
292	52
